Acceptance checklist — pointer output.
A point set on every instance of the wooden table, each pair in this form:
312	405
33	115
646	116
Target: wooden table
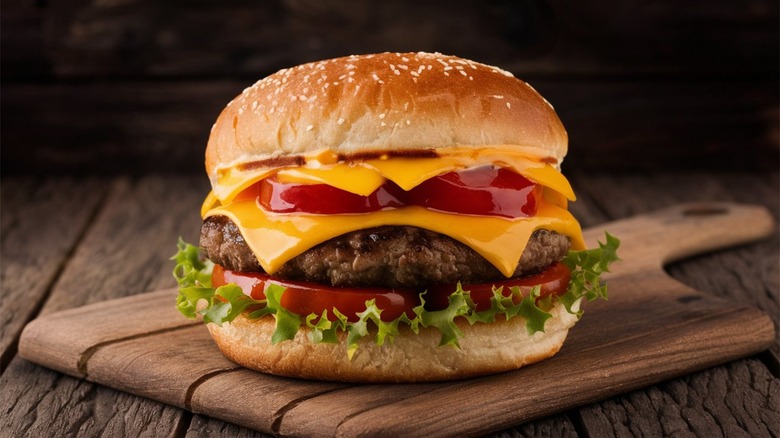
107	107
68	241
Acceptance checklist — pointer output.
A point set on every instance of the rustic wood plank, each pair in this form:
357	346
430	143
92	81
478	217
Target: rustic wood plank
80	334
553	426
653	125
38	402
128	249
163	127
111	128
205	427
21	30
737	399
83	37
746	275
124	252
743	275
122	362
40	226
265	399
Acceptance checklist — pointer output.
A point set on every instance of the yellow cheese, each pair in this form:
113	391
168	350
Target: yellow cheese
550	178
410	172
276	238
363	177
352	178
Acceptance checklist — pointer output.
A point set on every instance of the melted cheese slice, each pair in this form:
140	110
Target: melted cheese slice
277	238
363	177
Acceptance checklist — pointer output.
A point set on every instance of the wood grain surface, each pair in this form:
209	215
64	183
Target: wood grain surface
653	328
724	400
664	101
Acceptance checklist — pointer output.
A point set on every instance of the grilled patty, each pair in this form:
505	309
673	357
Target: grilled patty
388	256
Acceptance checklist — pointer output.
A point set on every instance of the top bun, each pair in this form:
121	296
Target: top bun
383	102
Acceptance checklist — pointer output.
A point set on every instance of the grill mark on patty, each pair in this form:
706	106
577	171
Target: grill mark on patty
387	256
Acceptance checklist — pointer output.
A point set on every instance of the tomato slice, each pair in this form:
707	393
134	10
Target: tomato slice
481	191
304	298
552	281
324	199
486	190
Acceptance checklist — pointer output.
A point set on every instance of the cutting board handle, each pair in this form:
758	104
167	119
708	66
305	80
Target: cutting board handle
652	240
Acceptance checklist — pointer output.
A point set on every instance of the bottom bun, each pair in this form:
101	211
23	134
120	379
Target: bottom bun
484	349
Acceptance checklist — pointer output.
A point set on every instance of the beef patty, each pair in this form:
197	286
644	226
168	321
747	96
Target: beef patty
387	256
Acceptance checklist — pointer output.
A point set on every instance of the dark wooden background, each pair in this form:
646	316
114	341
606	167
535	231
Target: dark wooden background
134	85
107	105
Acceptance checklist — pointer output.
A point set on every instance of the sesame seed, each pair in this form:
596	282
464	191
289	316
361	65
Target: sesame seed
508	105
382	116
405	67
414	73
240	111
340	121
254	104
447	68
408	122
498	96
463	73
471	78
310	127
383	124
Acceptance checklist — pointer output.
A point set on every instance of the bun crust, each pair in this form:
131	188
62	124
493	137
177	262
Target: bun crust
485	349
396	102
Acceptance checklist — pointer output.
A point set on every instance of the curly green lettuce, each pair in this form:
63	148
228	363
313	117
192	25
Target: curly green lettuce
223	304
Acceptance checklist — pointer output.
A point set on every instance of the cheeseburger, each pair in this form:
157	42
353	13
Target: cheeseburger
385	218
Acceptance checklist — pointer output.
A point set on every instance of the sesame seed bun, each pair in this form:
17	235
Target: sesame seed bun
389	102
485	349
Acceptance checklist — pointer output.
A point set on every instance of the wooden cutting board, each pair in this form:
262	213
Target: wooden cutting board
651	329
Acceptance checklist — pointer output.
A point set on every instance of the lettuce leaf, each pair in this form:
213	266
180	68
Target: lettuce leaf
225	303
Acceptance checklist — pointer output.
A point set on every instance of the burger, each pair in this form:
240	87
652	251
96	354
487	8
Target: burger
395	217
